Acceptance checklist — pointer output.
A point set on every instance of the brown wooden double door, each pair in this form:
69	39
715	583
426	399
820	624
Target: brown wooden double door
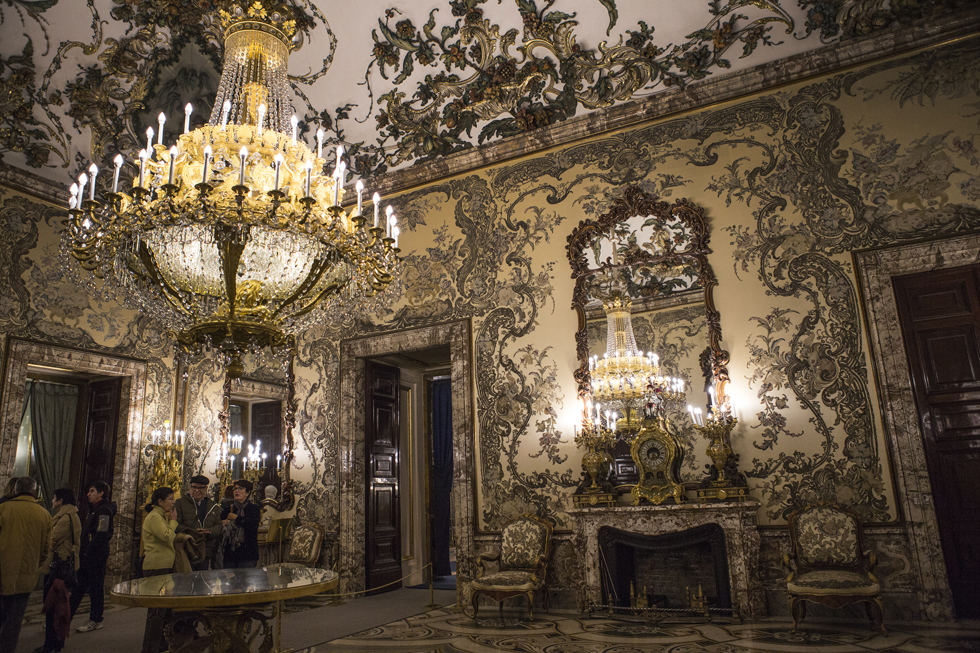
940	317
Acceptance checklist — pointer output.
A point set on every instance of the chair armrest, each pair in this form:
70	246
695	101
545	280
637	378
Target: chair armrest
872	557
486	556
789	562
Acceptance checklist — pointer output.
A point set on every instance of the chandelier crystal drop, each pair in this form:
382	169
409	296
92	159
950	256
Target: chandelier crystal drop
232	237
627	383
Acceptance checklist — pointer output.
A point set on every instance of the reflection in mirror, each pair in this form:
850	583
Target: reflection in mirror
653	254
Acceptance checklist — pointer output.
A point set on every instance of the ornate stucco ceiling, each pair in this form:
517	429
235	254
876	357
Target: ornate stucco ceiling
398	82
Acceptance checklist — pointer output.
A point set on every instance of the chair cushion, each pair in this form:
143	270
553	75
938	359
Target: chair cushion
305	545
826	537
506	580
832	582
523	542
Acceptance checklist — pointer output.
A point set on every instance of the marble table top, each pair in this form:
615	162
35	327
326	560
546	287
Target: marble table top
224	587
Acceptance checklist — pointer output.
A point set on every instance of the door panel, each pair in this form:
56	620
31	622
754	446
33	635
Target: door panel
383	524
940	316
99	457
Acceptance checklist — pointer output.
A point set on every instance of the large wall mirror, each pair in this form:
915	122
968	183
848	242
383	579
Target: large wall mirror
655	253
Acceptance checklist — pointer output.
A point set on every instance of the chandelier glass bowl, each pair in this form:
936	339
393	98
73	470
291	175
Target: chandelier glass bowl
233	237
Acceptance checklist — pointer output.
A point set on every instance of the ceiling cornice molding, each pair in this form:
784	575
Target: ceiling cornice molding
32	184
815	63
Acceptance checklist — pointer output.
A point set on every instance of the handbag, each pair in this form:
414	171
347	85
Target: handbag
64	570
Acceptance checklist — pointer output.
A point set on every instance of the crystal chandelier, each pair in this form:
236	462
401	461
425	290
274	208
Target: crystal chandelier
233	237
626	383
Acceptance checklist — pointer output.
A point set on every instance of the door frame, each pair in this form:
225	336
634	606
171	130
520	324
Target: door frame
874	269
351	464
20	354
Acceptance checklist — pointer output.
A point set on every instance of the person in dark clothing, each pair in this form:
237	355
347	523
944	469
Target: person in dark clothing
241	521
96	533
199	516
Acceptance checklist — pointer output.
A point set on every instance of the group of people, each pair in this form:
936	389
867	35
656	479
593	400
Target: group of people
72	555
33	542
228	530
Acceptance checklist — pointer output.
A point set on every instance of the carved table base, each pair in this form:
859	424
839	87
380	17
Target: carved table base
221	630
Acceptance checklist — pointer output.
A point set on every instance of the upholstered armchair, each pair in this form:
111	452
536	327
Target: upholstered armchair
829	564
522	563
304	547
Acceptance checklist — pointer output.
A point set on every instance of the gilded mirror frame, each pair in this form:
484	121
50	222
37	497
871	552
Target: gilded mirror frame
632	203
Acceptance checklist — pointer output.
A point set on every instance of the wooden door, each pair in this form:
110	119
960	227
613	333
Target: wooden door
266	425
99	454
382	555
940	316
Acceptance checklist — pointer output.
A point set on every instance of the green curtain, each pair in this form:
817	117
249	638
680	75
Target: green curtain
52	410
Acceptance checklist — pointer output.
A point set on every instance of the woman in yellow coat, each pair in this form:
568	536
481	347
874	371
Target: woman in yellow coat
157	544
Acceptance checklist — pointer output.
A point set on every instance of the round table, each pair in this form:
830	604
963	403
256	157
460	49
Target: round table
224	601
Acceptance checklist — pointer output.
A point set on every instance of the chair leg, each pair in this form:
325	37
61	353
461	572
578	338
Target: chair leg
530	612
476	604
797	608
500	608
875	604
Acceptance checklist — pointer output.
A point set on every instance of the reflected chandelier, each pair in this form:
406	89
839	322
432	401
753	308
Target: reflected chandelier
625	379
233	237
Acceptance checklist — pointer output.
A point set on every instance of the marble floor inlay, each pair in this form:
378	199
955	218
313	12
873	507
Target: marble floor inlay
451	631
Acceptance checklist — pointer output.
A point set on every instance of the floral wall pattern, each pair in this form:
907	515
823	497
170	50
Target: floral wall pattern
792	180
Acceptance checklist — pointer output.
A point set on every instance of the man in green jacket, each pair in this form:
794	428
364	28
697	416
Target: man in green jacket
197	514
25	529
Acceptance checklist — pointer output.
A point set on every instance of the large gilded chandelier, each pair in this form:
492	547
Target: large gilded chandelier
626	382
233	237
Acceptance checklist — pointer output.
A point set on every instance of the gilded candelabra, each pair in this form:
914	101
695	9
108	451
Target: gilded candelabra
167	449
224	470
595	438
724	482
254	464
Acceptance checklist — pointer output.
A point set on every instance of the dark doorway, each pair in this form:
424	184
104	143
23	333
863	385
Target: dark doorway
99	459
940	317
441	477
382	556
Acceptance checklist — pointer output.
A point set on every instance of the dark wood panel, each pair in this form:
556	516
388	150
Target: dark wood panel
99	458
940	317
382	551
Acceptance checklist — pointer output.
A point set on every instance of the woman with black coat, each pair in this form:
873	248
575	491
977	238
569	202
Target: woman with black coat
241	519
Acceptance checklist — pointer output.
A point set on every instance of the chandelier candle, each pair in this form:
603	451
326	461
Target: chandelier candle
188	110
173	161
359	187
115	175
74	196
207	161
149	140
225	110
376	198
94	169
278	159
294	121
261	119
161	119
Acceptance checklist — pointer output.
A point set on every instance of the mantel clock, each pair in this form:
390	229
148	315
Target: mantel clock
658	458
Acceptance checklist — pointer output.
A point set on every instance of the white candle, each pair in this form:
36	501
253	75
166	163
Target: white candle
74	196
149	139
309	173
261	118
394	234
143	156
359	186
294	121
336	186
319	143
388	212
207	160
279	158
225	110
82	180
242	154
173	160
115	175
161	119
376	198
188	110
94	169
391	231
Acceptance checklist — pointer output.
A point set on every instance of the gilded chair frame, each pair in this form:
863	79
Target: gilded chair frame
537	574
864	562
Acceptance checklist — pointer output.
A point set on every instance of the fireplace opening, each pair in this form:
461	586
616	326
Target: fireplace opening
682	574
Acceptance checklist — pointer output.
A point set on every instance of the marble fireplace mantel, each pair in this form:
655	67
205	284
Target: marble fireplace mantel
737	520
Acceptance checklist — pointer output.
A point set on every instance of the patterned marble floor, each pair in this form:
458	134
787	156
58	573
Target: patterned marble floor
450	631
